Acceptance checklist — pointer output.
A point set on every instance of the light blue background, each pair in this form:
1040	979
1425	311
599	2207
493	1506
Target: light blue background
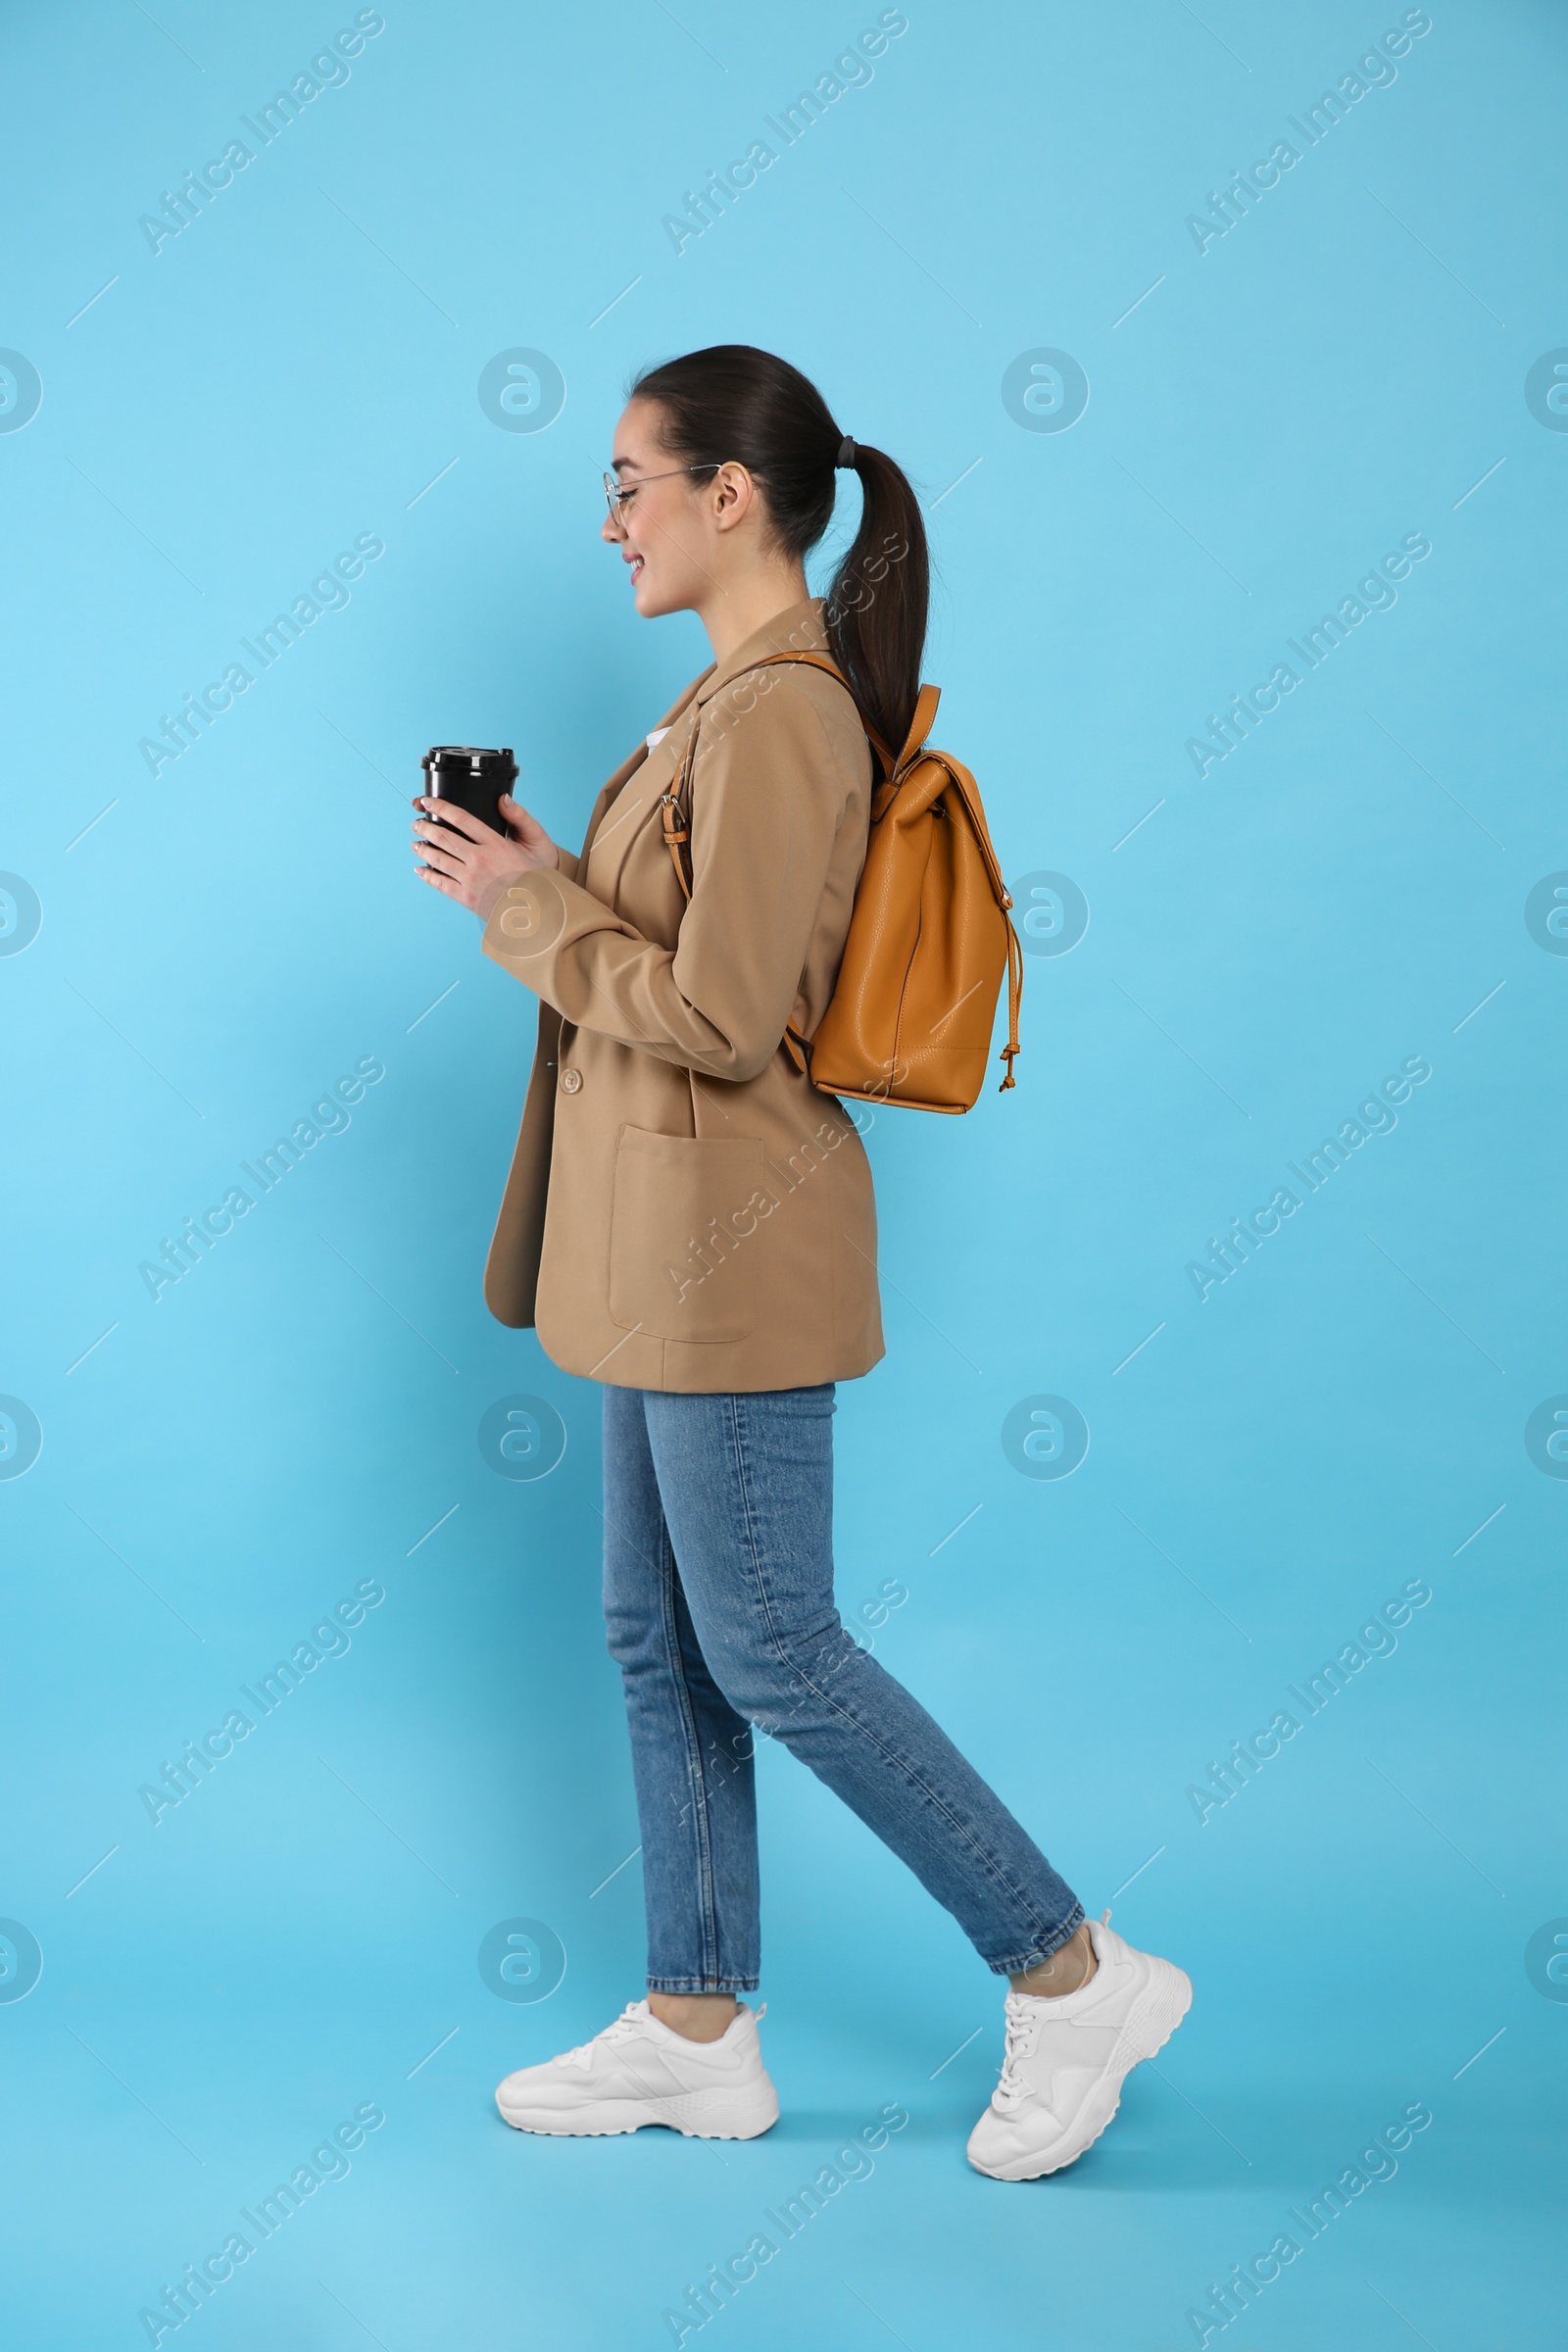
295	368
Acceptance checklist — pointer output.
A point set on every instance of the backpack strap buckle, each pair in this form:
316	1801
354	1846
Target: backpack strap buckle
676	835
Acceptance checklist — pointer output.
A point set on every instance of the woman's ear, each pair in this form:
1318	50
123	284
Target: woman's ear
734	496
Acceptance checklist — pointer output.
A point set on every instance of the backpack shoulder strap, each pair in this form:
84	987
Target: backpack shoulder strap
673	805
826	662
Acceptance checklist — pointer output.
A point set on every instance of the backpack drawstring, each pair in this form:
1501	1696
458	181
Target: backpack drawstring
1011	1051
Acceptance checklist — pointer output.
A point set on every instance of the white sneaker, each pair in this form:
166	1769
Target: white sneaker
639	2072
1068	2056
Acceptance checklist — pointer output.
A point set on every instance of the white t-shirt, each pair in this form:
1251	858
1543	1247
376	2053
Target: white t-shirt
657	736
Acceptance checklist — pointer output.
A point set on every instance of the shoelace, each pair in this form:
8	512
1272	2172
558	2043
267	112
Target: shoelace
631	2017
1023	2036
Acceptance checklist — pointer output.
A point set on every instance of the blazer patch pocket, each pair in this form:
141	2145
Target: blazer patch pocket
685	1232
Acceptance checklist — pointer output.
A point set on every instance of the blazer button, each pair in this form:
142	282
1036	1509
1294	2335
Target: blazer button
570	1082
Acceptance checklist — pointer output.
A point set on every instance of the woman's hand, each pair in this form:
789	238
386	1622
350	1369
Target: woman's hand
467	861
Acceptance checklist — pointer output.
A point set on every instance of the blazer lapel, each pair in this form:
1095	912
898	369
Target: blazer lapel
607	793
626	800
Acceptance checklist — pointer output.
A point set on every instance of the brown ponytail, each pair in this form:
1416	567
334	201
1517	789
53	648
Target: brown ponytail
735	402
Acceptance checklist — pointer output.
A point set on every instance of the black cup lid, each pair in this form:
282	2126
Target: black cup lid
476	760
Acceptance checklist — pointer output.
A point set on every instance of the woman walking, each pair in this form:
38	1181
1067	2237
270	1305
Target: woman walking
688	1222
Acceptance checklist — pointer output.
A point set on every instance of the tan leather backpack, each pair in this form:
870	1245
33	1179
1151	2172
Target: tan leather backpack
929	937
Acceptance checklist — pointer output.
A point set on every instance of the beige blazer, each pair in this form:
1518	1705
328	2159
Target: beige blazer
684	1210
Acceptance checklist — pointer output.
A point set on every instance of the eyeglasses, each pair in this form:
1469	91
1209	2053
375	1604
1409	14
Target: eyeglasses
619	495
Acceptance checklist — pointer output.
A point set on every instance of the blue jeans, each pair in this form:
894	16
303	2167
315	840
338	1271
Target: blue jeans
719	1599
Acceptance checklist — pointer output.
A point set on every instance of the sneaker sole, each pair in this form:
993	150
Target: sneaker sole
1150	2022
696	2114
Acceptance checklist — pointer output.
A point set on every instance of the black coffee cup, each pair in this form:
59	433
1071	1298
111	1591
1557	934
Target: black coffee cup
470	779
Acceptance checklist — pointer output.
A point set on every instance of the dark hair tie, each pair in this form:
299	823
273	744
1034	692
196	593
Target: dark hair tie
846	456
